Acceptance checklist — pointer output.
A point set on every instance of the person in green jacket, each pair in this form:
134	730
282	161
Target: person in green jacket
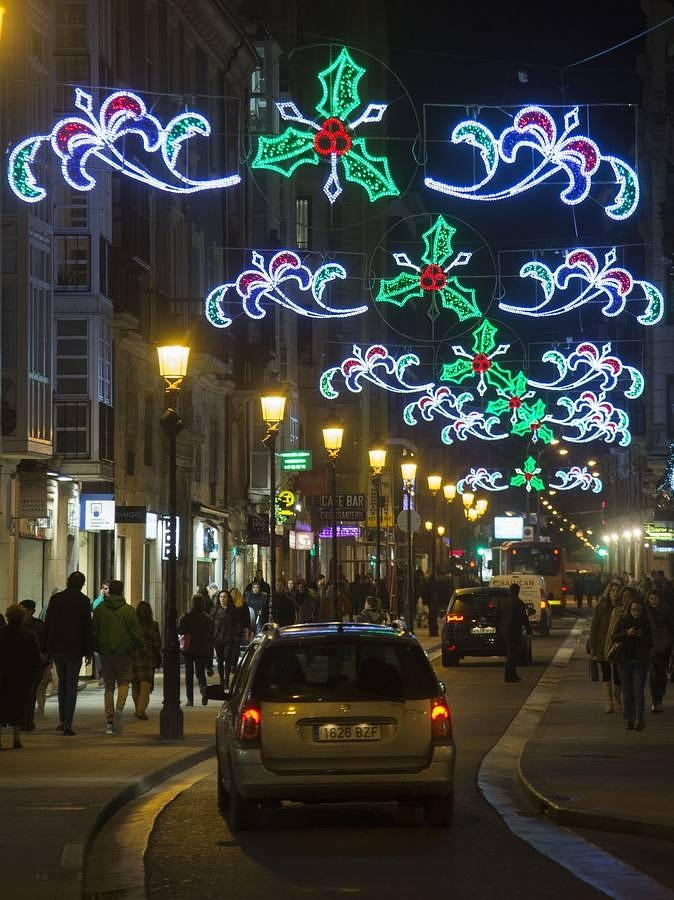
116	635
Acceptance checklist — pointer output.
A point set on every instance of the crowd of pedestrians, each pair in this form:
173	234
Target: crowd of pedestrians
630	645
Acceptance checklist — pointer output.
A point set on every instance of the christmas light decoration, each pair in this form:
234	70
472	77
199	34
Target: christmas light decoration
591	417
331	139
588	363
376	366
612	282
576	477
480	361
464	422
665	489
572	155
432	277
75	140
481	479
264	281
528	476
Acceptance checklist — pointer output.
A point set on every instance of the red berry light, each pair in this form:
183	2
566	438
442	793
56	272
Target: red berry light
332	138
481	363
432	278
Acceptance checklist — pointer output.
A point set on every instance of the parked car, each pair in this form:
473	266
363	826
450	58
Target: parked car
534	595
472	626
334	713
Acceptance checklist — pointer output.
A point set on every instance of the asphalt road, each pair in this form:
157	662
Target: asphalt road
364	850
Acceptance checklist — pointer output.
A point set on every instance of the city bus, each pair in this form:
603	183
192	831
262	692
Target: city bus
534	557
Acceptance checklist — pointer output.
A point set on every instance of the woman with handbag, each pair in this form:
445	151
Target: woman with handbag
632	639
145	661
596	642
195	637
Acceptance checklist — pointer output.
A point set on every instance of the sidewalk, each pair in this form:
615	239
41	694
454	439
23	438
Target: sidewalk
585	770
59	791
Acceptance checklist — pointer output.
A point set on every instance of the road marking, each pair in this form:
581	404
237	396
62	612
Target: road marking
498	781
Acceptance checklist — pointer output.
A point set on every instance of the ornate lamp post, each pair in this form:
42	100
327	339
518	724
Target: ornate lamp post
449	492
273	407
332	441
409	474
173	359
377	456
434	485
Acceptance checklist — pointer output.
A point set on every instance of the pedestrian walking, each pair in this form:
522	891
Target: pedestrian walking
306	600
663	637
285	610
102	594
257	601
43	677
117	635
230	620
634	635
625	596
145	660
20	664
513	619
195	632
371	614
68	637
597	641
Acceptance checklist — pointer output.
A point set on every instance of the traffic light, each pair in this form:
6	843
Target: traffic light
602	552
481	551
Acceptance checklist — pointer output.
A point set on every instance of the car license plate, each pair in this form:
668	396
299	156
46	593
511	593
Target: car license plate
483	629
337	733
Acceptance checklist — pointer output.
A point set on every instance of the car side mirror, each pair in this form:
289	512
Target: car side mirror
217	692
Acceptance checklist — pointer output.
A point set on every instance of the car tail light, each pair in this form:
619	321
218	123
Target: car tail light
250	723
564	589
453	617
441	722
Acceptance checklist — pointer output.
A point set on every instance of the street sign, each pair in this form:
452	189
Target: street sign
130	515
295	460
257	530
350	507
386	513
659	531
415	520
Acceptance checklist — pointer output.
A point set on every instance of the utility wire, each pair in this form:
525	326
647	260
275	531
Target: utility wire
621	44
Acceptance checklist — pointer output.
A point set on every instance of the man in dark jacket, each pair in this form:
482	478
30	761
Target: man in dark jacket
67	638
512	619
116	635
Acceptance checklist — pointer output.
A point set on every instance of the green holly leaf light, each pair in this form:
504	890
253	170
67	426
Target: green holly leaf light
479	361
432	276
531	423
528	476
332	139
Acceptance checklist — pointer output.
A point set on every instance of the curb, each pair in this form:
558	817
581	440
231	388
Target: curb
585	818
77	853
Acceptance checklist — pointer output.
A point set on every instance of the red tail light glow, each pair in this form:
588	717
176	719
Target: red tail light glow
250	723
441	723
453	617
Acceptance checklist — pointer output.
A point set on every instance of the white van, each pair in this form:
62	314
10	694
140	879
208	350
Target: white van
533	594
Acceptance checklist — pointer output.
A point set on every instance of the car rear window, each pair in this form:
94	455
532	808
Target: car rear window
475	604
344	670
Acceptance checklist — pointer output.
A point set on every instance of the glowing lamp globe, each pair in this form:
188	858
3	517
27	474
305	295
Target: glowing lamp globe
468	498
173	359
449	490
273	408
434	483
332	438
377	459
408	471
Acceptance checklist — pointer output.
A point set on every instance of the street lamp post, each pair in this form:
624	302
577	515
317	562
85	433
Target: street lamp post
332	441
449	492
434	485
273	407
409	474
173	360
377	456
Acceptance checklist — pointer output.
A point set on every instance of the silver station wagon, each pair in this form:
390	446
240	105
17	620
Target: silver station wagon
333	713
